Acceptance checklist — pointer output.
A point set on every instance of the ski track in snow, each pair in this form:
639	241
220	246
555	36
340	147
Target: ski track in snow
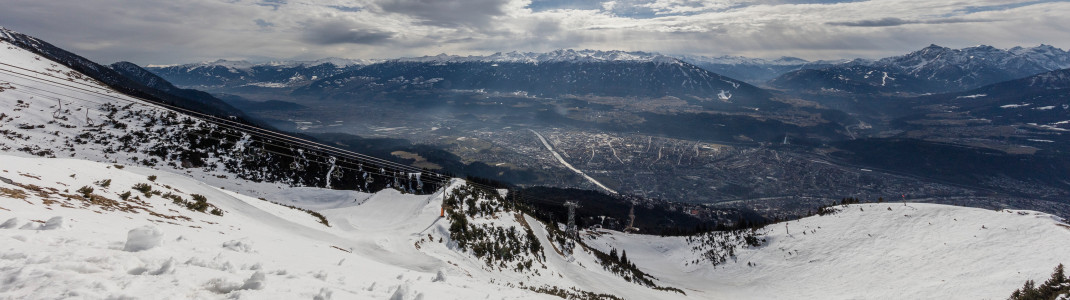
569	166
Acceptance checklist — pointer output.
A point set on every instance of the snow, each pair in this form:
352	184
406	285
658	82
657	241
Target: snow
918	251
143	238
724	95
569	166
1015	105
258	249
975	96
564	55
255	250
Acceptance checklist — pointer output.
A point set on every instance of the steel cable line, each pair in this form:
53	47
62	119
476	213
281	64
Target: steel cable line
265	135
221	122
244	128
264	141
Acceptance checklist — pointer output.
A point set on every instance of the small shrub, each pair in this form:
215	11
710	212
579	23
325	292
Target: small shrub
144	188
103	183
200	203
152	178
125	195
86	191
176	199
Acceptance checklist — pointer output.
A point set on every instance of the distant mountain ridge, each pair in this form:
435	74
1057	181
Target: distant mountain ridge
561	55
147	88
933	69
1041	100
755	70
278	74
656	77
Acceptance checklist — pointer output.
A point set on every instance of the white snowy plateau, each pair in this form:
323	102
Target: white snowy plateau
60	240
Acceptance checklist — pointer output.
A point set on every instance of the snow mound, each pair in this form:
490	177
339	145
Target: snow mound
440	276
54	223
222	286
400	292
143	238
243	246
11	223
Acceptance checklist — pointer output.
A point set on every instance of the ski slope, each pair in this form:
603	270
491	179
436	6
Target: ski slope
914	251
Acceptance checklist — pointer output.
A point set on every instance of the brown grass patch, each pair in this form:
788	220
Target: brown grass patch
13	193
420	161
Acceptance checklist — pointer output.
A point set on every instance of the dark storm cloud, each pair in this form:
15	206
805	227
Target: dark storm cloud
448	13
874	23
999	7
274	4
342	32
263	24
889	22
544	5
346	8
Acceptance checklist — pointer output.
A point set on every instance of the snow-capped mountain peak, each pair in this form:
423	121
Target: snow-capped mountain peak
942	69
560	55
338	62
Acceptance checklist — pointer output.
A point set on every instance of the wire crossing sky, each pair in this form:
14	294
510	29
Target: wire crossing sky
182	31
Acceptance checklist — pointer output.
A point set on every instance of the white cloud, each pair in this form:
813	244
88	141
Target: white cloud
158	31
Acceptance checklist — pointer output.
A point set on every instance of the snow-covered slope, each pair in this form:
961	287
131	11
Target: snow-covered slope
869	251
64	241
151	247
50	110
390	245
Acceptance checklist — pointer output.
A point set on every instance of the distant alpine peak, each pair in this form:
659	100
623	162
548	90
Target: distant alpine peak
982	49
246	65
336	61
5	33
561	55
11	35
933	58
230	64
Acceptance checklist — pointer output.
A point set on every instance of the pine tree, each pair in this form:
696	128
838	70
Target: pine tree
1051	288
624	257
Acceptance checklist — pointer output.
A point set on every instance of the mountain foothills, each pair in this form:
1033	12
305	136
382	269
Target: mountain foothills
117	184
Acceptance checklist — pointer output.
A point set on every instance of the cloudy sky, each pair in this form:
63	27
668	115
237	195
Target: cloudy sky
181	31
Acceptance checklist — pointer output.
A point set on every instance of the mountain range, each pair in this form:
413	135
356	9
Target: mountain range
933	69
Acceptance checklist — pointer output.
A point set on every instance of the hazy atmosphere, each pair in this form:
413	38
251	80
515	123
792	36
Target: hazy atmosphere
169	32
